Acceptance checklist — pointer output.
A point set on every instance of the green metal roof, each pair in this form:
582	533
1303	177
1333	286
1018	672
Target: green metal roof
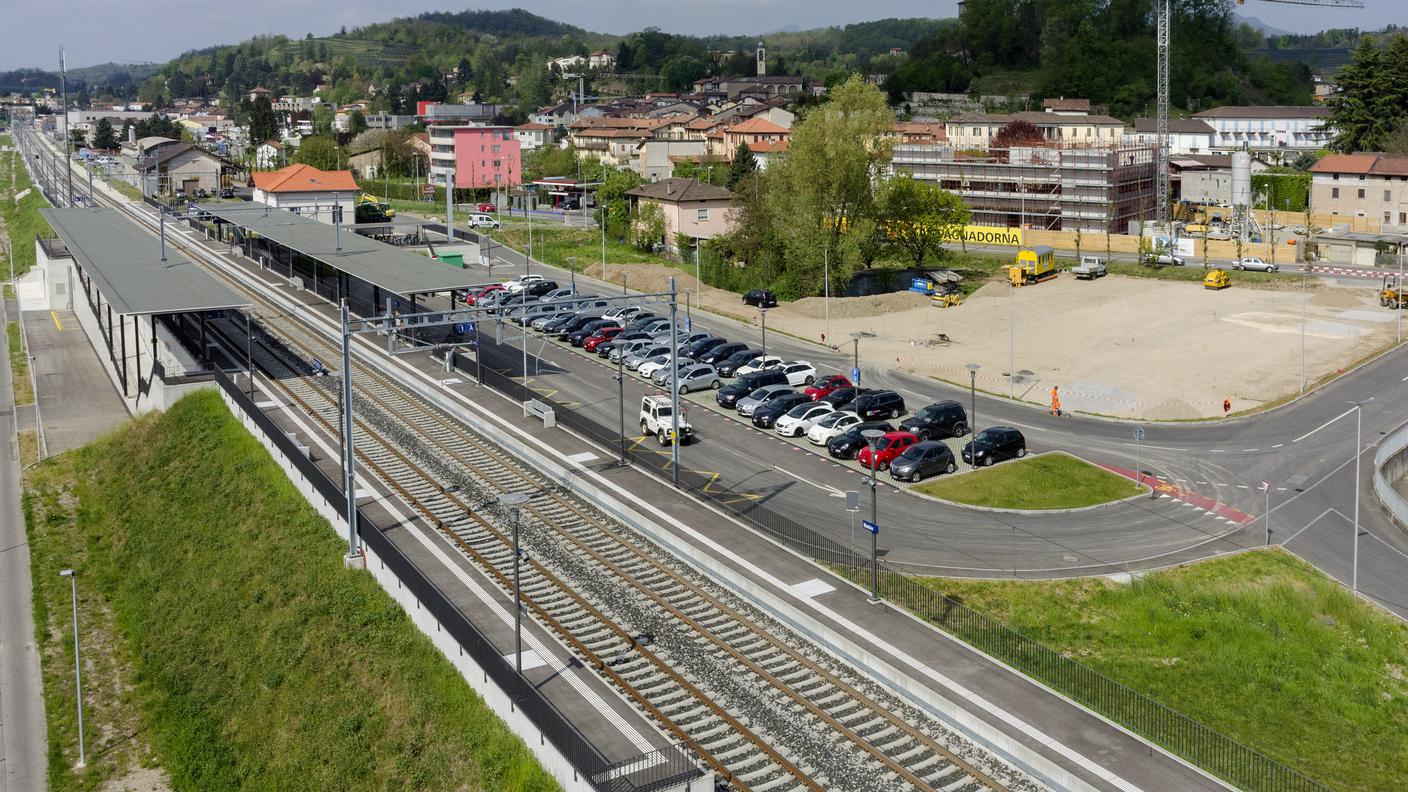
124	261
388	267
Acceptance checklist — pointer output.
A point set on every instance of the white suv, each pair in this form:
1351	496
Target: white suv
799	373
656	419
800	418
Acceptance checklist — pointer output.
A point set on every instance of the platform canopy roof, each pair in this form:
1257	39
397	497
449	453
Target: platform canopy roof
124	261
387	267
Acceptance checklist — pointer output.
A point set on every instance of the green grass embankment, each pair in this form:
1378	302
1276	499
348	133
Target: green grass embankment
19	366
1258	646
22	220
1049	481
225	642
553	244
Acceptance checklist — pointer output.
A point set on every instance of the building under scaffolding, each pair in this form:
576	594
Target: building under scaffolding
1048	187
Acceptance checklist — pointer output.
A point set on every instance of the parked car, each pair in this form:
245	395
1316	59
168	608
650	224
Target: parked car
648	367
886	450
545	321
759	363
940	419
995	444
482	221
516	285
800	418
1163	258
843	397
694	350
830	425
485	207
879	404
651	350
740	388
697	376
665	373
719	353
849	443
642	320
657	326
579	336
760	298
826	385
558	294
1253	263
606	348
473	297
601	336
761	395
799	373
728	367
767	413
620	312
577	322
1090	268
537	289
922	460
558	327
657	418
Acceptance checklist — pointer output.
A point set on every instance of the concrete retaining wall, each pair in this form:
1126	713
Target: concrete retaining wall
1390	466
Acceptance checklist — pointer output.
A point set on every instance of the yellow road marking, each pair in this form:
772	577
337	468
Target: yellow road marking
57	323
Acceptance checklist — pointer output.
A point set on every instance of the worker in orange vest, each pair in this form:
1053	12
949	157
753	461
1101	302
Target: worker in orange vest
1055	401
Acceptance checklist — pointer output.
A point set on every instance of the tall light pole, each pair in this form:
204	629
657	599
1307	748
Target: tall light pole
513	500
601	209
856	336
763	317
1011	343
826	298
1358	452
696	270
872	439
72	576
450	206
973	418
349	454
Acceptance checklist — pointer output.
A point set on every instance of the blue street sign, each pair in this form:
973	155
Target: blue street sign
686	324
855	376
870	526
464	328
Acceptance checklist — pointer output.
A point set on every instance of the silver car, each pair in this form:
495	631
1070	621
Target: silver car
544	321
627	348
752	401
634	360
698	376
666	372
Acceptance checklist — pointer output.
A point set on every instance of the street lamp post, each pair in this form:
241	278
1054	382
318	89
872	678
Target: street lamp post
72	576
513	500
856	336
973	418
872	439
450	206
826	298
1011	343
763	317
1358	452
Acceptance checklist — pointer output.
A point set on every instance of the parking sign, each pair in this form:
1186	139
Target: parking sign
855	376
870	526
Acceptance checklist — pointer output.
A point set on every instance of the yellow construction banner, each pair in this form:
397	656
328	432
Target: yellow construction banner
989	235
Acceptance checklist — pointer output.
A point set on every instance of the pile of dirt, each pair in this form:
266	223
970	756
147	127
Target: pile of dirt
1324	296
858	307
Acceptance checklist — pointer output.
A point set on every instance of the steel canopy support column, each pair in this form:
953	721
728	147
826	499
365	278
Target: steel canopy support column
122	331
349	455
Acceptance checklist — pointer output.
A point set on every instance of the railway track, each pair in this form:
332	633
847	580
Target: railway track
766	710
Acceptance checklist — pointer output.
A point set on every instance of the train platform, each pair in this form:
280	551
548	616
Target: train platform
77	400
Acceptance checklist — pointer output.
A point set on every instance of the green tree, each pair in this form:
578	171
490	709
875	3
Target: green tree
916	217
320	151
742	166
104	136
680	71
1363	113
648	227
263	124
825	185
356	122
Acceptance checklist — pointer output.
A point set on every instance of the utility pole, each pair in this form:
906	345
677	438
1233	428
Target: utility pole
1161	140
63	82
349	456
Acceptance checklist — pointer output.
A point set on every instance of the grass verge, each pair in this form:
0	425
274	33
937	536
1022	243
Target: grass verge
19	366
553	244
29	446
22	220
225	636
1193	273
1259	646
1049	481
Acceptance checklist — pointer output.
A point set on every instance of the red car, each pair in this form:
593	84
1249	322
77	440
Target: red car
485	207
891	445
474	296
600	337
824	386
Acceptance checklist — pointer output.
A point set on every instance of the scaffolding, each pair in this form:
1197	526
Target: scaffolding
1046	187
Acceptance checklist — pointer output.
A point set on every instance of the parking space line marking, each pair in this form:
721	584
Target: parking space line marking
57	323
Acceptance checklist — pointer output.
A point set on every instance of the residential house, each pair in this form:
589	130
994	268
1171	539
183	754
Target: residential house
183	168
260	92
766	86
601	59
1185	135
1064	106
567	63
365	164
135	152
754	130
656	159
478	156
1367	189
441	113
270	154
308	191
613	140
532	136
918	133
767	152
558	115
691	207
977	130
1278	131
390	123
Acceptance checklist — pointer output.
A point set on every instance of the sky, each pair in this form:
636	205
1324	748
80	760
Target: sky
98	31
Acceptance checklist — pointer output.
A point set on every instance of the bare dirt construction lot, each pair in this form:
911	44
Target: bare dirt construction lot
1129	347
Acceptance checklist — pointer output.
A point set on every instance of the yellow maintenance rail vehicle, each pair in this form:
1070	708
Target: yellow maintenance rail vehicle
1391	293
1033	265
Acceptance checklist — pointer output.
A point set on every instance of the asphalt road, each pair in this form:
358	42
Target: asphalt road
1211	471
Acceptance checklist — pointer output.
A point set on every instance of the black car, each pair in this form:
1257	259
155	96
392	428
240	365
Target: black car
731	364
940	419
769	411
729	394
537	289
721	352
761	298
843	397
576	337
879	404
574	324
995	444
624	337
640	320
506	303
922	460
694	350
561	323
849	443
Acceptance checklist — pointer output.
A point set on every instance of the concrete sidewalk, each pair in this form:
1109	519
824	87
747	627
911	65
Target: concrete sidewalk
77	401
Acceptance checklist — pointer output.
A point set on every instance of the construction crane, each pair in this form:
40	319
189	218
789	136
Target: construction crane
1164	10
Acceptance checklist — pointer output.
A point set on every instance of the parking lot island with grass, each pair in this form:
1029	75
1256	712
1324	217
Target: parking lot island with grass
1053	480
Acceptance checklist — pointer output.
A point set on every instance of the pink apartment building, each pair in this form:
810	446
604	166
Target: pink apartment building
482	156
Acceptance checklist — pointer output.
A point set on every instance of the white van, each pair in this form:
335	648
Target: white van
482	221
